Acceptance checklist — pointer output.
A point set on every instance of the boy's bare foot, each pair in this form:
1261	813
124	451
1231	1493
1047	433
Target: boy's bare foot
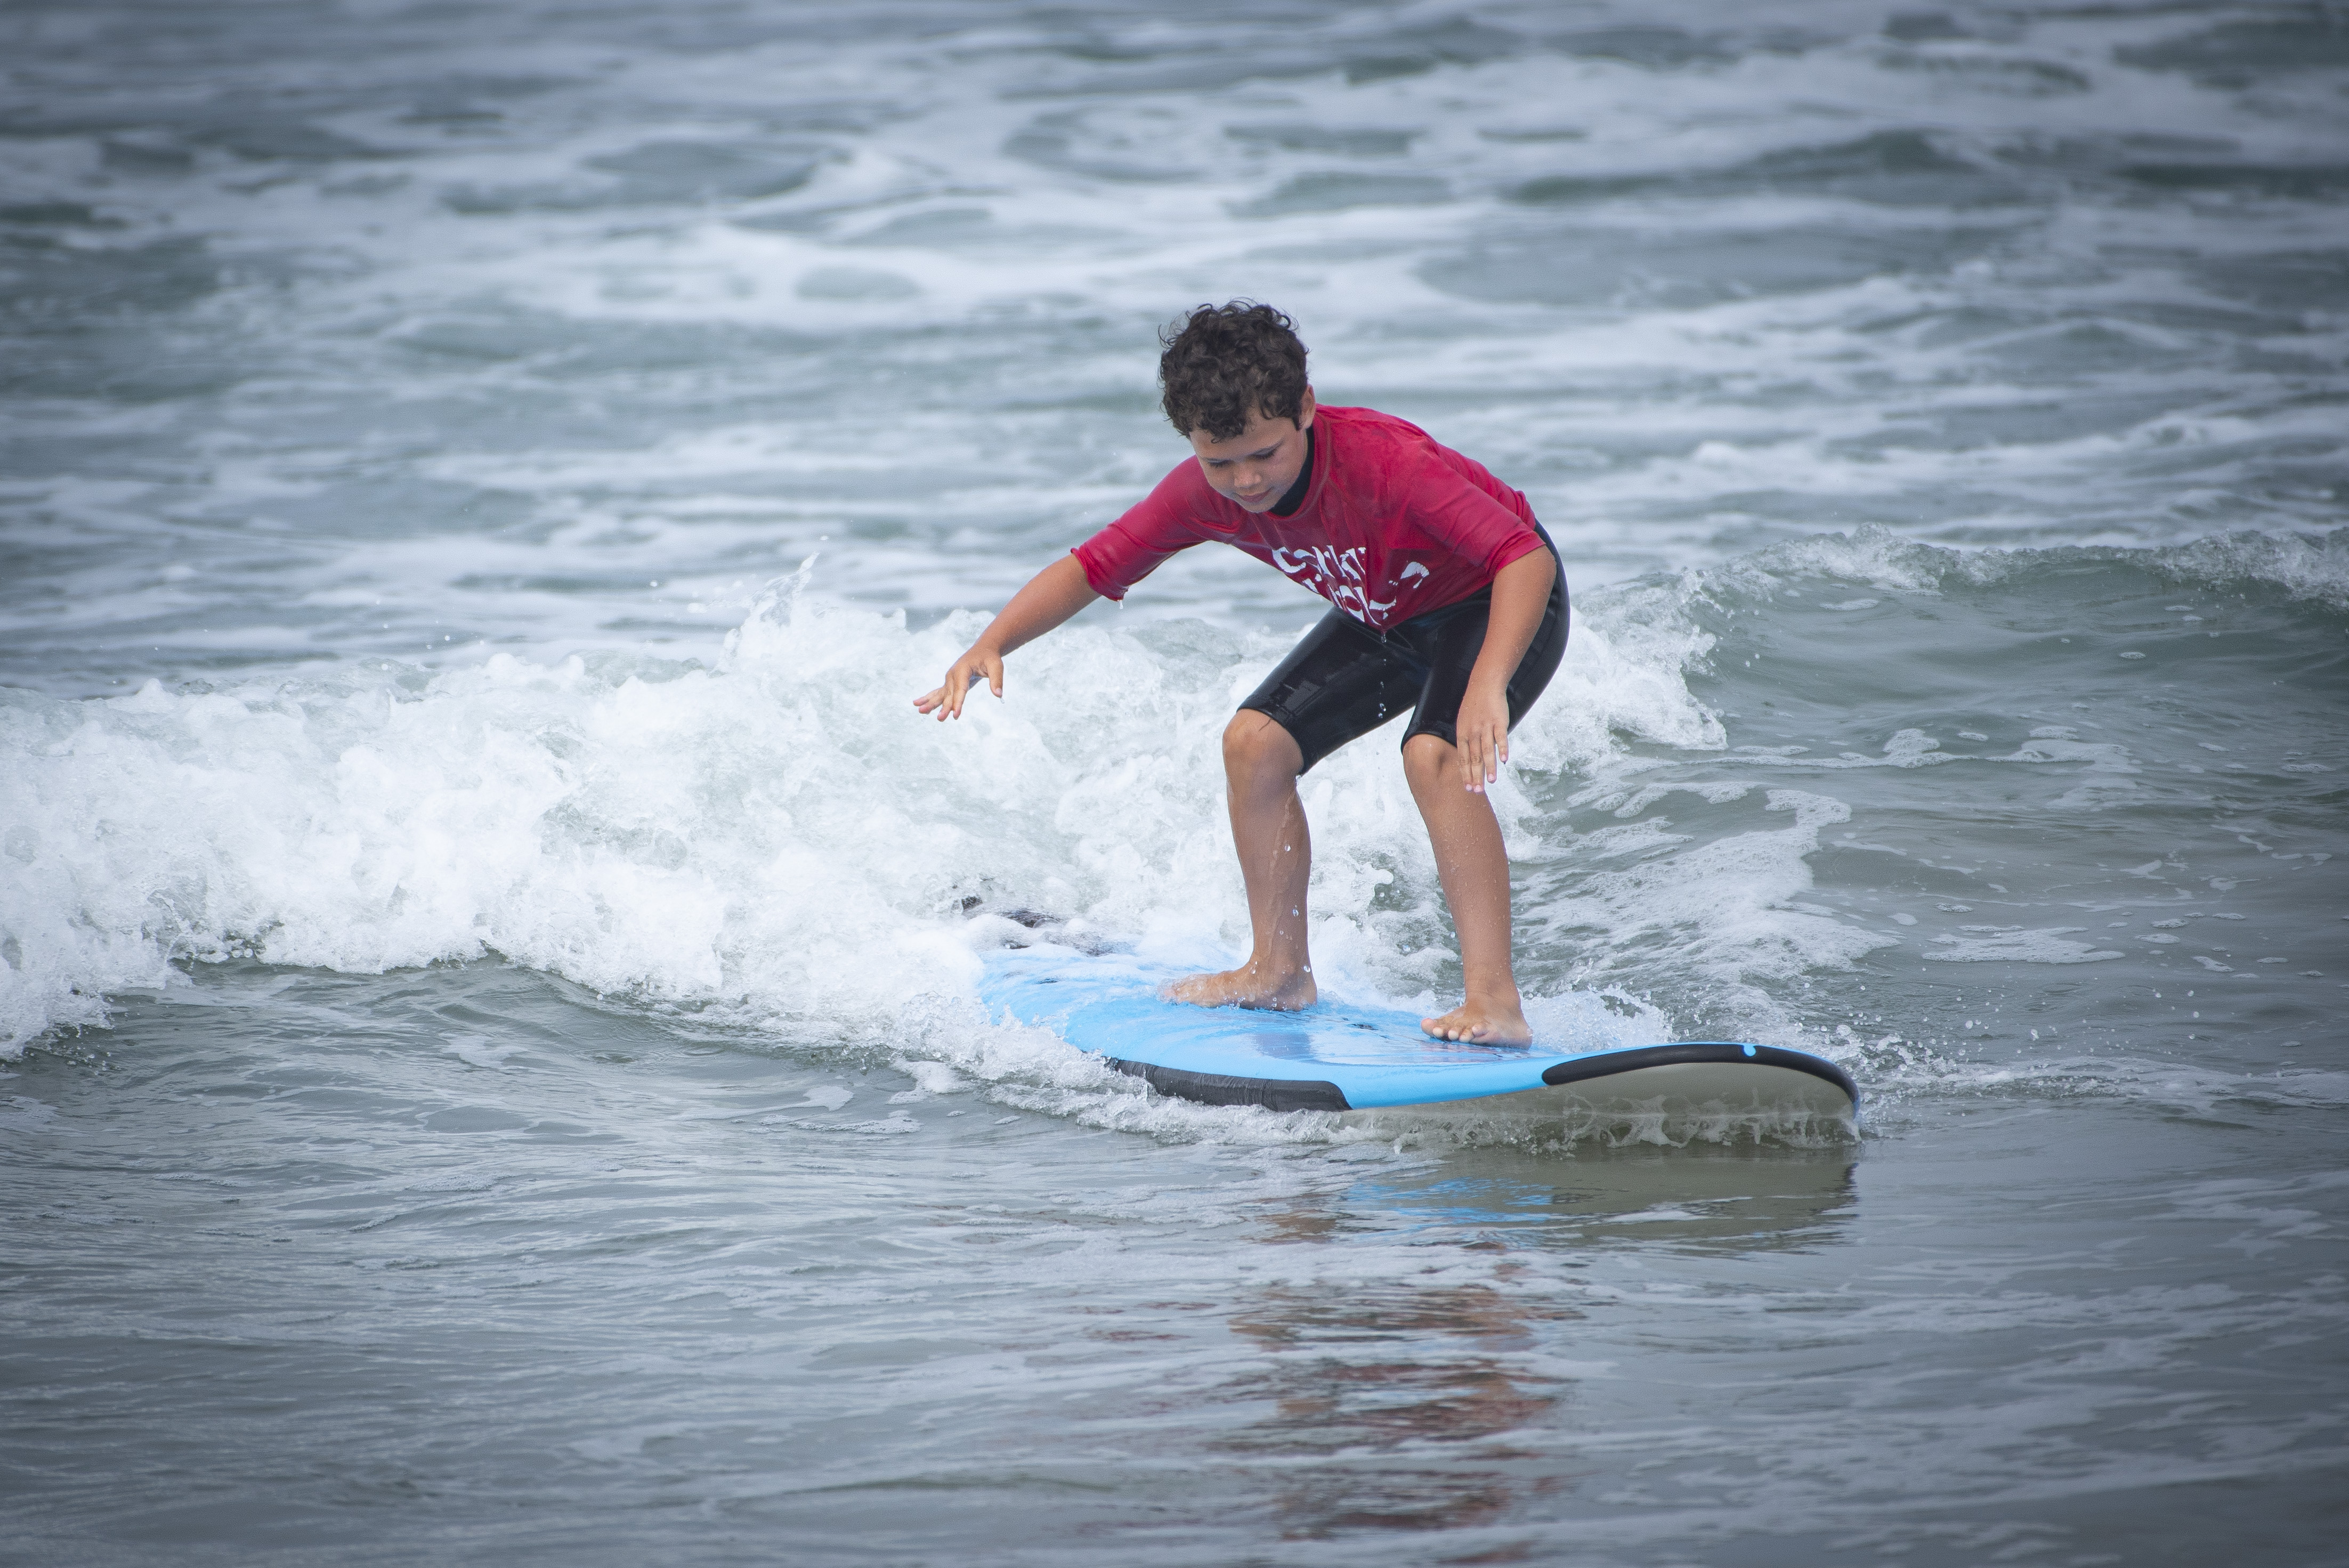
1482	1024
1247	986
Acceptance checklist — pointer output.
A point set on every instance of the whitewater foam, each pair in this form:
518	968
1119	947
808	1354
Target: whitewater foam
772	838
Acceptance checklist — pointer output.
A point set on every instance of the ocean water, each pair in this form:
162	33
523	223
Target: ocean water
488	952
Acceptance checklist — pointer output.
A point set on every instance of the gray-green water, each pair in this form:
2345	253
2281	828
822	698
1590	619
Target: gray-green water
487	948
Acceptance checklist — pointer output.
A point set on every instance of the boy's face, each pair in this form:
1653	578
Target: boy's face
1256	467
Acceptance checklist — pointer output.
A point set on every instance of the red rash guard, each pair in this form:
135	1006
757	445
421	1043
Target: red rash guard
1393	525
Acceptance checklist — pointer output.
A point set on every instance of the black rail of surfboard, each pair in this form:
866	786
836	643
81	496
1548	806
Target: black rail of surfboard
1577	1068
1215	1088
1319	1094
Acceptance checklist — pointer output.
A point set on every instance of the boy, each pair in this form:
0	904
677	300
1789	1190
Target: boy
1449	600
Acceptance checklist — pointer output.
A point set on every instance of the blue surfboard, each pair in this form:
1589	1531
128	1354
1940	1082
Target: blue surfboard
1333	1056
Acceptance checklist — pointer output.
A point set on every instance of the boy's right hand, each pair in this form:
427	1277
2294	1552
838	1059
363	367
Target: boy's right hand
1051	596
978	664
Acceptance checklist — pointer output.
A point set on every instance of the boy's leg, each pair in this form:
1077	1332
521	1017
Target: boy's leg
1470	858
1338	682
1473	864
1261	762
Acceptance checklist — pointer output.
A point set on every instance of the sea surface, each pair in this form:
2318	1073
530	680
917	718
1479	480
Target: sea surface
489	955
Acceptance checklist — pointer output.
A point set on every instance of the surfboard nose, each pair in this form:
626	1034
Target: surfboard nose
1733	1052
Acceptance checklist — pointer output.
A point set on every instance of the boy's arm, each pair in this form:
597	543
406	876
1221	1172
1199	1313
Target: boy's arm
1520	598
1051	596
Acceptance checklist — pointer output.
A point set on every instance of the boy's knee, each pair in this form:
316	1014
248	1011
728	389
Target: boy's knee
1425	755
1256	744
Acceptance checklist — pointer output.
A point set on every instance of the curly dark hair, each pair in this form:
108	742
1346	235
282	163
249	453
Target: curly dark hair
1225	364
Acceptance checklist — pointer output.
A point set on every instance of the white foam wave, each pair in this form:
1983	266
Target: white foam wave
1730	909
775	840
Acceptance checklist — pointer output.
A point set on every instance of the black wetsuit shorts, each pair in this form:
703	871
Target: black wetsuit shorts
1345	680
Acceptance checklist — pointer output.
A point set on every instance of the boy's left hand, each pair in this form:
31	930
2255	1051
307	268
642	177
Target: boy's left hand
1483	731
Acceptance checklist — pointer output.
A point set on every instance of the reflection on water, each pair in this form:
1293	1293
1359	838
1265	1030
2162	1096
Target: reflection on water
1428	1380
1397	1404
1726	1200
